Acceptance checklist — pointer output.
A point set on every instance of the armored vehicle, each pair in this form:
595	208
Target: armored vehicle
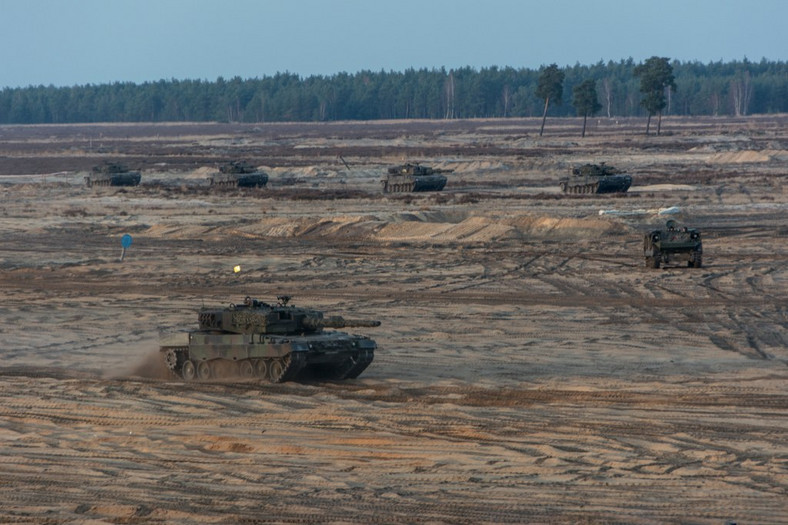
413	177
112	174
596	178
673	244
239	174
278	342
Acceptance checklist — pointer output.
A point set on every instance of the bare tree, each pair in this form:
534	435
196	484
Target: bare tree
506	95
741	91
448	91
608	87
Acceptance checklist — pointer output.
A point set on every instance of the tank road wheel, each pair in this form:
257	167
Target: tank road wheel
246	369
261	368
174	359
204	370
276	369
188	372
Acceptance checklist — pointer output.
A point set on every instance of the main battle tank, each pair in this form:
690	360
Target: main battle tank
112	174
596	178
673	243
413	177
239	174
277	342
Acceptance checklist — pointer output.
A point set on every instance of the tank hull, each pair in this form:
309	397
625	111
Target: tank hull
329	355
596	185
672	246
233	180
131	178
411	183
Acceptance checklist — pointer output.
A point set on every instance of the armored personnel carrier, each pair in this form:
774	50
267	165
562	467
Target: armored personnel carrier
277	342
112	174
673	244
596	178
413	177
239	174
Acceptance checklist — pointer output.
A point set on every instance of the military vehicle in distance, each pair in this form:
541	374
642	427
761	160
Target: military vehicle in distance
112	174
413	177
238	174
671	244
277	342
596	178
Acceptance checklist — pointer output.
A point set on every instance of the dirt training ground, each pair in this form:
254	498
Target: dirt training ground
530	368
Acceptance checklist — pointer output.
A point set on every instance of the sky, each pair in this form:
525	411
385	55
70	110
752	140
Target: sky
78	42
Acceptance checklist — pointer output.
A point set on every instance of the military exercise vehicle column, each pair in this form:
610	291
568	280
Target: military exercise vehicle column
277	342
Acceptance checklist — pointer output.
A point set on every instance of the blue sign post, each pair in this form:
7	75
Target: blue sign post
125	242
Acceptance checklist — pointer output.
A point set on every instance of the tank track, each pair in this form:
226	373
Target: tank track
274	370
294	363
578	189
351	368
399	188
360	364
224	183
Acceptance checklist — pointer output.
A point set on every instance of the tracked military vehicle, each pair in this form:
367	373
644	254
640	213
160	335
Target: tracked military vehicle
238	174
413	177
278	342
673	244
112	174
596	178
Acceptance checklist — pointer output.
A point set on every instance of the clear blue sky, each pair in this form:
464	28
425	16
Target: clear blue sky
76	42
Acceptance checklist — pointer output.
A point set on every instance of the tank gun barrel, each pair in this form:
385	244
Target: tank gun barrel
337	321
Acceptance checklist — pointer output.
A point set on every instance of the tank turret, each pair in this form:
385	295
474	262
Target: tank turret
276	342
596	178
112	174
238	174
414	177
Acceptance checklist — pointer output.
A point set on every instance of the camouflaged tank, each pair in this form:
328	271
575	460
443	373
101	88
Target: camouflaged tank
238	174
112	174
413	177
277	343
596	178
673	244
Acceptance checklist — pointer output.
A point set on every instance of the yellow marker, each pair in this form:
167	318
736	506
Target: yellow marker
237	268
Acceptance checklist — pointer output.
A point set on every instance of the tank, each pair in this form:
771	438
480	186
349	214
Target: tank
239	174
112	174
414	177
596	178
673	244
275	342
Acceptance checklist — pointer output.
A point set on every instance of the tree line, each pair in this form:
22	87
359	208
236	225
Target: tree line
717	88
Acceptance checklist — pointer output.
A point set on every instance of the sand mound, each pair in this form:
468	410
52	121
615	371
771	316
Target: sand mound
421	226
565	228
740	157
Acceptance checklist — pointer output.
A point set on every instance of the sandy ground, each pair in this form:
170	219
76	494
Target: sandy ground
530	368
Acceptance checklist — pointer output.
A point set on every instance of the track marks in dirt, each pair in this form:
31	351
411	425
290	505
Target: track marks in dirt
168	449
